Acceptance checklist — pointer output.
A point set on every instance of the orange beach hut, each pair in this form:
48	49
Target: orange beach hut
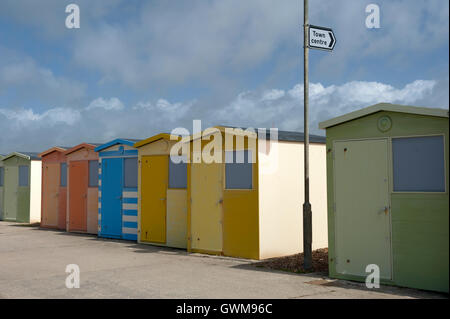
54	188
82	188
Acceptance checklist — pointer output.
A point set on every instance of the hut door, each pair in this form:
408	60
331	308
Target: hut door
50	184
362	213
78	187
206	207
154	182
112	176
11	189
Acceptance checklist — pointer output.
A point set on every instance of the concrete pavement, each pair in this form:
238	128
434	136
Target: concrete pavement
33	263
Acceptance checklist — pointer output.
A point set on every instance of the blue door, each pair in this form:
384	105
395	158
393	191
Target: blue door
111	197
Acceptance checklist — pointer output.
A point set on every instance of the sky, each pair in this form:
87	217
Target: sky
137	68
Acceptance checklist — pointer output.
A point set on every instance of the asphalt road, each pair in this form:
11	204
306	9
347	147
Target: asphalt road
33	263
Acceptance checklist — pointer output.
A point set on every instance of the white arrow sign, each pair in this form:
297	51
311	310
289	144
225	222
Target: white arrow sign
321	38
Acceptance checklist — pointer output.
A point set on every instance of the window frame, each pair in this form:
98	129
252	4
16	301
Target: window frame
225	170
2	176
28	175
168	172
124	172
60	174
391	173
89	173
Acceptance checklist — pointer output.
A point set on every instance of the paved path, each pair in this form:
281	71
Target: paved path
33	262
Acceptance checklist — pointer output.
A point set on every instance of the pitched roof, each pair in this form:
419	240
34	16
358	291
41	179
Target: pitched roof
31	156
283	136
60	149
383	107
125	141
165	136
91	146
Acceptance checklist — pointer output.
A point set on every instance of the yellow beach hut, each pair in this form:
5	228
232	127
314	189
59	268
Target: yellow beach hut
253	209
162	188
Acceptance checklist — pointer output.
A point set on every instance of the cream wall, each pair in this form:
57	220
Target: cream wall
281	197
35	191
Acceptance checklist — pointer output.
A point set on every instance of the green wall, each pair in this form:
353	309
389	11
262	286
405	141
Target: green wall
21	202
420	222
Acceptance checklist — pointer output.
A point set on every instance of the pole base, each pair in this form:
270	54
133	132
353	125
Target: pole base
307	237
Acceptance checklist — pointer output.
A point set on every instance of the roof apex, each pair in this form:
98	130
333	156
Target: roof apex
383	107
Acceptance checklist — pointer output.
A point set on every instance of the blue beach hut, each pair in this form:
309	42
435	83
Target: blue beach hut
118	182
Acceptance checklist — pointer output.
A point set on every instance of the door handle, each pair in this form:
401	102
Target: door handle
162	199
119	197
384	210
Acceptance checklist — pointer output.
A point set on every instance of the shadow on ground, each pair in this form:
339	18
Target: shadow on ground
322	279
37	225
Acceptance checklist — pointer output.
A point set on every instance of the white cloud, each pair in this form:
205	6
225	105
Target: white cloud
171	43
113	104
36	82
51	117
175	43
286	110
272	95
165	109
270	108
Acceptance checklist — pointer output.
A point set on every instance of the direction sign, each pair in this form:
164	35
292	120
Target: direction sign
321	38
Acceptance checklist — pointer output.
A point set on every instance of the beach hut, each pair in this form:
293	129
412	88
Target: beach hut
54	188
162	208
388	203
82	188
248	201
2	182
22	187
118	186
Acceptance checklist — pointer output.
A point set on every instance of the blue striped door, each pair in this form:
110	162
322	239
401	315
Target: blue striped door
111	200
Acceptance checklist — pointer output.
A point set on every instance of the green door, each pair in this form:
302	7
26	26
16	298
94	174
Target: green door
362	213
10	192
23	204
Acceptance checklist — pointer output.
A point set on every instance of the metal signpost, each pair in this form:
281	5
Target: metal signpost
323	39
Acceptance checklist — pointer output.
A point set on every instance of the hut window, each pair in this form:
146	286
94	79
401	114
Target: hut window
178	172
63	181
130	173
93	173
2	176
24	178
238	175
418	164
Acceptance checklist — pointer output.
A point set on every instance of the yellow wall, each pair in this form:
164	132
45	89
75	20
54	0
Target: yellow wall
176	203
281	197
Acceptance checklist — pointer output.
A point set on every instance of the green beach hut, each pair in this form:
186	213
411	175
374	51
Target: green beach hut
22	187
388	200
